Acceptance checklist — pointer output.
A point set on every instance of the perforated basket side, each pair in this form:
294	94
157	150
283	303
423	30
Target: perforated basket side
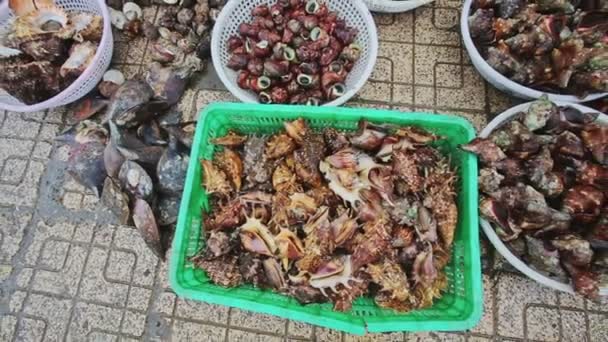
395	6
458	309
354	12
92	74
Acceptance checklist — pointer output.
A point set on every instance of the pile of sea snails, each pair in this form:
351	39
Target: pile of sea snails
544	188
295	51
550	45
135	156
331	216
180	35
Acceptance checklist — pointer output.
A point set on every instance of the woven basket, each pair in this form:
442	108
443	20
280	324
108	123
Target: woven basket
353	11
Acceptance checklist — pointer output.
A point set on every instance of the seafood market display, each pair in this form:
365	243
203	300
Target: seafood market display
551	45
295	51
544	189
331	216
45	49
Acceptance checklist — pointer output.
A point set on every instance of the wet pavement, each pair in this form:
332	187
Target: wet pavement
68	272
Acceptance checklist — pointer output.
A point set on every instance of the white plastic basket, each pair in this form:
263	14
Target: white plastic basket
394	6
92	74
519	264
501	82
354	12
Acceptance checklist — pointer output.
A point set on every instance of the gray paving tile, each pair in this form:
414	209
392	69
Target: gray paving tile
187	331
573	326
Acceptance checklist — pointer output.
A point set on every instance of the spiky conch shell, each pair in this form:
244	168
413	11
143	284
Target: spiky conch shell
23	7
29	26
87	26
81	55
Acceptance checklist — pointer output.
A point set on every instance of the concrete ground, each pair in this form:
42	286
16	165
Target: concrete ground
68	273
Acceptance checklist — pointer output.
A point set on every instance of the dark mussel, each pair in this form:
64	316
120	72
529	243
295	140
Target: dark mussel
145	221
136	181
151	134
112	159
128	97
167	208
132	148
115	201
172	167
86	165
168	83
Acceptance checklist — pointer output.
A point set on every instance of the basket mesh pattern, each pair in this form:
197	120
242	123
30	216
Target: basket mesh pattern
92	74
459	307
394	6
354	12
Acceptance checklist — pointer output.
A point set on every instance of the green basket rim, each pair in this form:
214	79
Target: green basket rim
364	327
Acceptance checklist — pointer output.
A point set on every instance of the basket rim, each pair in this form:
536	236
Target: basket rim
52	102
475	300
500	120
238	92
495	78
392	6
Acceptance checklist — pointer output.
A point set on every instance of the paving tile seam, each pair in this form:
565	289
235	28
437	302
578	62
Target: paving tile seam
458	46
422	106
78	287
35	318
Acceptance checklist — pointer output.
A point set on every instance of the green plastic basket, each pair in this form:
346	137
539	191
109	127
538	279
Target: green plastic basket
459	308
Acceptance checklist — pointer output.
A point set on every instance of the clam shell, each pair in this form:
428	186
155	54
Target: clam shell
144	220
119	20
135	180
114	76
115	201
132	11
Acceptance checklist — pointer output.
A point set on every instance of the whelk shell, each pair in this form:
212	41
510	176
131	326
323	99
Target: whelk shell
256	238
290	247
81	55
336	272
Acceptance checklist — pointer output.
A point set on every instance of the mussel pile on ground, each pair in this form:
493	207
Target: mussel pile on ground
544	188
44	49
136	159
295	51
331	216
552	45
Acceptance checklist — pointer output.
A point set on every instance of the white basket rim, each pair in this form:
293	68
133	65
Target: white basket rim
236	91
500	246
494	77
392	6
52	102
